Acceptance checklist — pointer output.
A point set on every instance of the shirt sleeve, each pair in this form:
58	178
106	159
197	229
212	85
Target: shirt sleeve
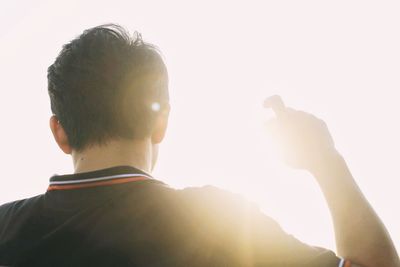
237	229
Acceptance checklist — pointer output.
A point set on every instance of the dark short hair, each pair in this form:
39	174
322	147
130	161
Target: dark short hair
102	86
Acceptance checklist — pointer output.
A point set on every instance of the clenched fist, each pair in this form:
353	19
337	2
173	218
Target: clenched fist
304	139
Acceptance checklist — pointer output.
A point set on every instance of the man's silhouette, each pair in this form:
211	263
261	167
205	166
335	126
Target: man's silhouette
109	97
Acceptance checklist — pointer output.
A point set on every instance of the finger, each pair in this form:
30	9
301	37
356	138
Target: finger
276	104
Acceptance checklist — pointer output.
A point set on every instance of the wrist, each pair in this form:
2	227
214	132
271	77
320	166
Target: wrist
327	163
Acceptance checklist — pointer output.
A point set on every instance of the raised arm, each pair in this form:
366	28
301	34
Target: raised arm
306	143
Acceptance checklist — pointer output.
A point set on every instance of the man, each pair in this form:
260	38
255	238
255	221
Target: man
109	97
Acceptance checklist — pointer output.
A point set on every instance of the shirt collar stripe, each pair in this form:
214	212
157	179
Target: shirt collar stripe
89	180
98	183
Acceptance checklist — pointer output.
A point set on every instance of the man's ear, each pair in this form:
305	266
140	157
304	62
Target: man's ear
59	135
160	126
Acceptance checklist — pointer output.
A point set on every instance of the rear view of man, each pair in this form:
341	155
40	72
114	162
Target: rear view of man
109	97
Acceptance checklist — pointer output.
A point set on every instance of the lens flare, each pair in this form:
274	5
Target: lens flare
155	106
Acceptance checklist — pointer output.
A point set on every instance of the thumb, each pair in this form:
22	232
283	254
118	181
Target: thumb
276	104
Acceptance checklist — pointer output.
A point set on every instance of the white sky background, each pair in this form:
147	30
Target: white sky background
337	59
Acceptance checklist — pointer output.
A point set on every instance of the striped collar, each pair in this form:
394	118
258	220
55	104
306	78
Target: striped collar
109	176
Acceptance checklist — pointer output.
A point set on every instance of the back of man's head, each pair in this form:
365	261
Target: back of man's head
103	86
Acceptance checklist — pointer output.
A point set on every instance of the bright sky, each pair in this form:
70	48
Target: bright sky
337	59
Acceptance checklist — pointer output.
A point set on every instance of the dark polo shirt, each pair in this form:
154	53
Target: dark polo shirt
121	216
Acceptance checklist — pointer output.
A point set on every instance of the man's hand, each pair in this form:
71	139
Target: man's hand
303	138
307	144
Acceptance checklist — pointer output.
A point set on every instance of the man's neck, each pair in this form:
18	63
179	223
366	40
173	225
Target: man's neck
136	153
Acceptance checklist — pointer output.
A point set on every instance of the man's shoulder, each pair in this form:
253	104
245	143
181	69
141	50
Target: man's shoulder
213	197
237	225
20	204
214	205
18	208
